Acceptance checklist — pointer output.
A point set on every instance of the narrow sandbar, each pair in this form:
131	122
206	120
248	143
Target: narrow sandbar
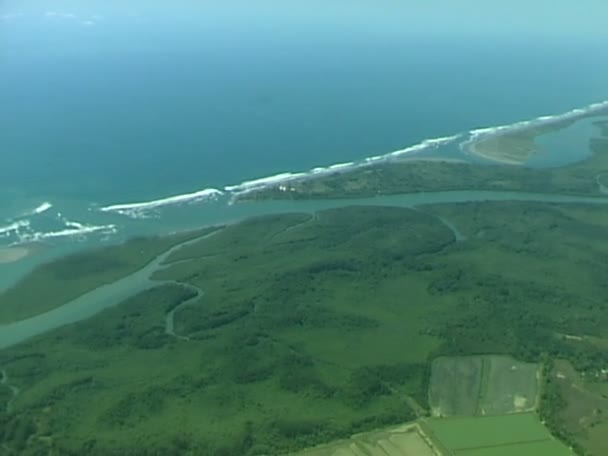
12	254
495	153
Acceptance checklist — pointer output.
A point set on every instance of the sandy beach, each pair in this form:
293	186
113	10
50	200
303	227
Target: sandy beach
12	254
495	156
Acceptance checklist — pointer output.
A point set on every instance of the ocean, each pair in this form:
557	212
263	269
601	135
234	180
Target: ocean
99	145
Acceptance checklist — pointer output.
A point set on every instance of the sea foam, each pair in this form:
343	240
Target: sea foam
139	210
574	114
71	229
284	179
14	228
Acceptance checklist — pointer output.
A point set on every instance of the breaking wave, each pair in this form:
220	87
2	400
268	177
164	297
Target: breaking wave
147	209
284	178
14	228
26	232
72	229
41	209
484	133
141	210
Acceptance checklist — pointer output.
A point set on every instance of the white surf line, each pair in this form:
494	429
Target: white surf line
284	179
138	209
73	229
14	228
484	133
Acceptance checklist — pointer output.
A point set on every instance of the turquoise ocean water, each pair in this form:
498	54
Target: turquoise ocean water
98	115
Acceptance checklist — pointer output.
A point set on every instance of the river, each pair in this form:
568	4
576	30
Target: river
114	293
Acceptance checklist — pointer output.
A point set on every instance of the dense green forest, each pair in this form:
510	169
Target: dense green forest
311	328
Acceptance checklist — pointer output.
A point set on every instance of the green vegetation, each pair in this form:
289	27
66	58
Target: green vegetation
482	385
412	176
468	433
405	440
55	283
311	329
517	146
456	386
290	345
575	407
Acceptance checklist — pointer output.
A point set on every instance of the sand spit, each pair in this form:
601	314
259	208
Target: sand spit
13	254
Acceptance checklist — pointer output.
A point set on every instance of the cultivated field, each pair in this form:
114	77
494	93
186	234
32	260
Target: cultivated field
405	440
543	448
510	386
482	385
520	434
455	386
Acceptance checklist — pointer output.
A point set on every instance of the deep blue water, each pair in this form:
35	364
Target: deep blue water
180	112
118	128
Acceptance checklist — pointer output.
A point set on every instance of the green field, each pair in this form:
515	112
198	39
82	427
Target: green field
482	385
472	432
542	448
517	434
312	329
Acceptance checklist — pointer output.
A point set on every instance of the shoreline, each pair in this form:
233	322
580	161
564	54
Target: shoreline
473	149
113	293
10	255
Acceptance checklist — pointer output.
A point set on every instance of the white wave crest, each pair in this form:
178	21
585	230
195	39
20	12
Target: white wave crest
263	182
137	210
574	114
42	208
283	179
72	229
14	228
424	145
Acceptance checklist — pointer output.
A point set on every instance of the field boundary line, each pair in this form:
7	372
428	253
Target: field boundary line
432	440
484	384
522	442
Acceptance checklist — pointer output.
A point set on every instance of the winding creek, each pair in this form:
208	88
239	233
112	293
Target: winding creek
112	294
170	317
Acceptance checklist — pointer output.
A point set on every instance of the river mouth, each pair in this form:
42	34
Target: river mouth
114	293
